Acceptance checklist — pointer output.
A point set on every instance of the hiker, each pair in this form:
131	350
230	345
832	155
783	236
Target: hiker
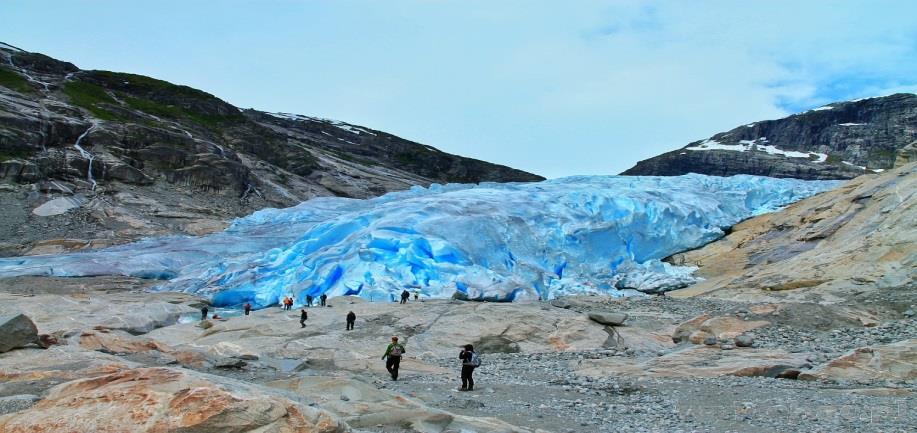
204	311
470	361
283	303
248	308
303	316
417	295
392	357
351	319
404	296
322	299
309	300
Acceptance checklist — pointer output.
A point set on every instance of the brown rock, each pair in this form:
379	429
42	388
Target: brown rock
161	400
894	362
119	342
701	328
46	341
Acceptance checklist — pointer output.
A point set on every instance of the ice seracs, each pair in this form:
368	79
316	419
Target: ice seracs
487	241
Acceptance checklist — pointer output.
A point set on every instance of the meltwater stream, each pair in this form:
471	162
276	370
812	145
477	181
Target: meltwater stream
487	241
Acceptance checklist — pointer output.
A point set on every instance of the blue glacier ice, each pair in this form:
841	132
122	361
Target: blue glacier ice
487	241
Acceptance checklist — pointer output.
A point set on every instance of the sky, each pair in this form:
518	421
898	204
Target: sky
555	88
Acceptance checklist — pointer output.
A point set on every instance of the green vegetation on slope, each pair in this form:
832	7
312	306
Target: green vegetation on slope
14	81
90	97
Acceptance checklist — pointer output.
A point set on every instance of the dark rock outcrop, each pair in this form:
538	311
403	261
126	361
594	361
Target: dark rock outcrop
16	331
838	141
147	145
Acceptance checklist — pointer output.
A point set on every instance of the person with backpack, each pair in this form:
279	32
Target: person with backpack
247	307
309	300
351	319
404	296
322	299
470	361
303	316
392	357
204	311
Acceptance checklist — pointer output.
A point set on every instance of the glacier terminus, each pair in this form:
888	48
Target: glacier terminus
489	241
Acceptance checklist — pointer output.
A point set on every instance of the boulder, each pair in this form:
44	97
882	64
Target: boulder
16	331
561	303
609	318
46	340
744	340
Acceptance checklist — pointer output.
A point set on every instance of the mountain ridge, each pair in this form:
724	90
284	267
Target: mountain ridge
130	156
841	140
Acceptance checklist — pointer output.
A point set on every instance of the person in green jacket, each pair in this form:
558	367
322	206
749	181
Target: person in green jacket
392	357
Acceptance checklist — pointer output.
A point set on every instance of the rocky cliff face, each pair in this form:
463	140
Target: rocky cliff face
838	141
858	239
126	156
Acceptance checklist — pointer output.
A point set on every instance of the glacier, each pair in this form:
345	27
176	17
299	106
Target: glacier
489	241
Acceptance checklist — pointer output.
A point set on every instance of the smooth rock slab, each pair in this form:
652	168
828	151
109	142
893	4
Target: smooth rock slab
703	361
161	400
704	327
894	362
16	331
59	205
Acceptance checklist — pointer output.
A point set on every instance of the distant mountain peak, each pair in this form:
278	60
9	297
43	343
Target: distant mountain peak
840	140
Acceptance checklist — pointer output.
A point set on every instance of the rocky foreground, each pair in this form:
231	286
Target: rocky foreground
121	359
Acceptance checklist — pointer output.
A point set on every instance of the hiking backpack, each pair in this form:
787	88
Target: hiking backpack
475	360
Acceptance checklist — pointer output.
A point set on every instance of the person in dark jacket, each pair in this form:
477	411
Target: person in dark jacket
309	300
392	357
466	355
303	316
351	319
248	308
404	296
204	311
322	299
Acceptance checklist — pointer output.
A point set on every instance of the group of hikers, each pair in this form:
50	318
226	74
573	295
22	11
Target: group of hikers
470	361
394	351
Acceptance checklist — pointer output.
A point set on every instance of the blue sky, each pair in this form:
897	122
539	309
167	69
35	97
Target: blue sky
556	88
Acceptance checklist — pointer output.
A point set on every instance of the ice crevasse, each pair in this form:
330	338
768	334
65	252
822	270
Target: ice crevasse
488	241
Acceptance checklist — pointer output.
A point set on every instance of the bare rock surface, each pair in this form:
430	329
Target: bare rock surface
860	238
894	362
161	399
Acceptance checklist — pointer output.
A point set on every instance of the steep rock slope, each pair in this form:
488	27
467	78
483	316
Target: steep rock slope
127	156
838	141
860	239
